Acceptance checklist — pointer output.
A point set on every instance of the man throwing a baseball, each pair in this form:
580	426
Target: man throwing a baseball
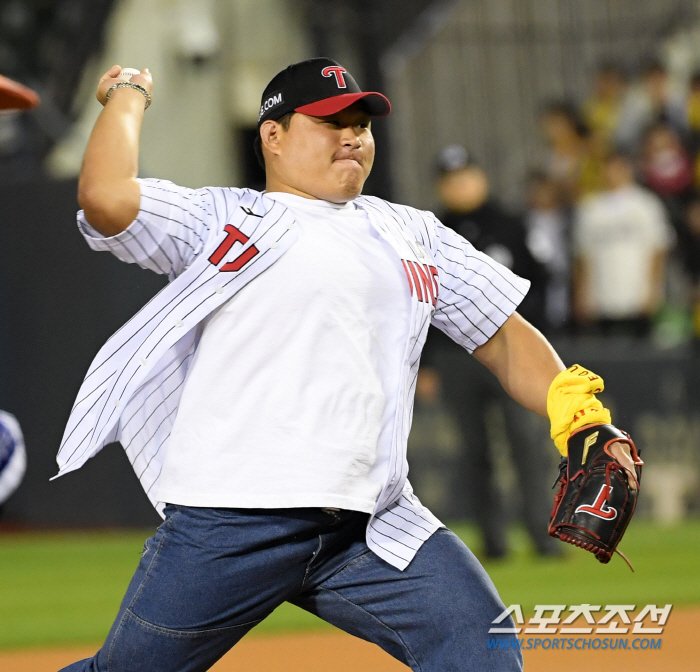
264	397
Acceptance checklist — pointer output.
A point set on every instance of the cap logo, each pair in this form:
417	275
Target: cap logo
271	101
337	72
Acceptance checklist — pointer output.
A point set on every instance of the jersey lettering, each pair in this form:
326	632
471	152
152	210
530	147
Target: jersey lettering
427	282
416	280
233	235
423	278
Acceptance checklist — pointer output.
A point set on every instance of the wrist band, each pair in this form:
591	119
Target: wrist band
130	85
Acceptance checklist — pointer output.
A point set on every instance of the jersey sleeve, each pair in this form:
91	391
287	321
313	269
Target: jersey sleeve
169	232
476	294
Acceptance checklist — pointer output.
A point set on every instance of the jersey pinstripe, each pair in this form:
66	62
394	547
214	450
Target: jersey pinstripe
132	389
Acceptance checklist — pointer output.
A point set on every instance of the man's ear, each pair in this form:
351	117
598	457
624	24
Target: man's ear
270	132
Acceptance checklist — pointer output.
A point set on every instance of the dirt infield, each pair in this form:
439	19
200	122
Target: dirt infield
337	652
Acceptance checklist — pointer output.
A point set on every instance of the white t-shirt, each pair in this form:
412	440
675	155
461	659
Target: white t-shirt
617	234
291	397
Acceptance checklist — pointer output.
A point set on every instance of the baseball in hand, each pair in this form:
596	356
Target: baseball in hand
127	73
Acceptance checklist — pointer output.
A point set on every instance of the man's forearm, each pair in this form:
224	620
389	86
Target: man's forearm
523	361
108	191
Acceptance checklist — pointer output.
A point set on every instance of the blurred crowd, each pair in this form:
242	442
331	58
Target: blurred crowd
610	235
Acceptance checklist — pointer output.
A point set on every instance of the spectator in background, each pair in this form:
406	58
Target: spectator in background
621	240
469	209
602	110
689	248
653	102
666	167
470	390
547	227
693	114
573	162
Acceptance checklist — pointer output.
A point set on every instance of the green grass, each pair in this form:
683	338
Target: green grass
64	589
666	561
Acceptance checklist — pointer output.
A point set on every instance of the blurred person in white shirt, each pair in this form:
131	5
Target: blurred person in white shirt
621	241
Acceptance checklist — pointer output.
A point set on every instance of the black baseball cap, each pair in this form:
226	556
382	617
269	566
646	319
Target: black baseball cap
453	157
317	87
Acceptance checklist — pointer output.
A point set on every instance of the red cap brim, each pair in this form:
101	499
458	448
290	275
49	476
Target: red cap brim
14	96
377	105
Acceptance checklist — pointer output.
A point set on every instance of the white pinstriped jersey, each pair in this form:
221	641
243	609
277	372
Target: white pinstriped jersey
211	242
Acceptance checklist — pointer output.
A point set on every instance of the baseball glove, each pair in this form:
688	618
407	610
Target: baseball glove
595	501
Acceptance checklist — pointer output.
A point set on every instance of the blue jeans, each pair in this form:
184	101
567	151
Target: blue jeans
210	575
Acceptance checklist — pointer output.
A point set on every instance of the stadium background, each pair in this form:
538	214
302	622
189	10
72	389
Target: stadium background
473	72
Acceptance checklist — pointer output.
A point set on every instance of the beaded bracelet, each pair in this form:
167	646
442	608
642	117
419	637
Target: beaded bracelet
130	85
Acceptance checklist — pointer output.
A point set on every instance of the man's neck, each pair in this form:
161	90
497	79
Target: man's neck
272	185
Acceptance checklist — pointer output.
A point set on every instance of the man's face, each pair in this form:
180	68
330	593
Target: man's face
618	173
656	82
328	158
464	190
610	85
